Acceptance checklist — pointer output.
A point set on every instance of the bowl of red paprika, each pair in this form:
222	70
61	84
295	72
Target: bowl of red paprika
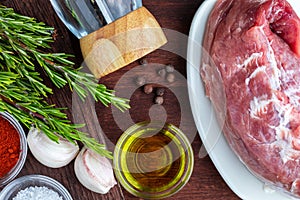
13	148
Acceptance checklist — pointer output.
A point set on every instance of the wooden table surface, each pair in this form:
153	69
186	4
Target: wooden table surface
175	16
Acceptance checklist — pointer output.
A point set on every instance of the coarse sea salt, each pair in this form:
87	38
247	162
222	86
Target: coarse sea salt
37	193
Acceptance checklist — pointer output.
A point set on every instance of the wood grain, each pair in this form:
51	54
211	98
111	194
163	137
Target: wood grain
175	15
121	42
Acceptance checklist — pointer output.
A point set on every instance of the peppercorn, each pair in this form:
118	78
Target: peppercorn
162	72
170	78
169	68
140	80
159	100
143	61
148	88
160	91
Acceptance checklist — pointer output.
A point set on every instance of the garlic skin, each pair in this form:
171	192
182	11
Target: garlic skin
94	171
48	152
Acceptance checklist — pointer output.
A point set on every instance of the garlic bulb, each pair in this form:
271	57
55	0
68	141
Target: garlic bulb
94	171
48	152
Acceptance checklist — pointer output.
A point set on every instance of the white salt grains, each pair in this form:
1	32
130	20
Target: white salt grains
37	193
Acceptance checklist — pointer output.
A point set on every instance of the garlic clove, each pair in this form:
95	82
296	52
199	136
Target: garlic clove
48	152
94	171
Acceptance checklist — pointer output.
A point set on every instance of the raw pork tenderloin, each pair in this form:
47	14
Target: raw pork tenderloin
251	71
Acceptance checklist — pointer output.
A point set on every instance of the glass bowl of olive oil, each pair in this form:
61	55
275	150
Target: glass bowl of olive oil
153	160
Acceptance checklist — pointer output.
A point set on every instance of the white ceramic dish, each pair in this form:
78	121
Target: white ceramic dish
235	174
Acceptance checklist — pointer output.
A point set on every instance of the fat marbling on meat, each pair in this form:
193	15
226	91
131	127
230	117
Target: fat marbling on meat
251	71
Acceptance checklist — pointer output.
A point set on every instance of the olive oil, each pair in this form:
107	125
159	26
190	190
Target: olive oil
152	161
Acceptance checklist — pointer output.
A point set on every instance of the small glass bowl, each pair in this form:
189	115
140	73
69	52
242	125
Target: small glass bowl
12	189
153	160
23	150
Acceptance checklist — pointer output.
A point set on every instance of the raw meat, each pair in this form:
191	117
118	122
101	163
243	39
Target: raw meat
251	71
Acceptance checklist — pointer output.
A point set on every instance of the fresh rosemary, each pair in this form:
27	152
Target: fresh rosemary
23	46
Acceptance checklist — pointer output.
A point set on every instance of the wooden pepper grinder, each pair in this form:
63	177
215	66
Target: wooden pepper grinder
115	45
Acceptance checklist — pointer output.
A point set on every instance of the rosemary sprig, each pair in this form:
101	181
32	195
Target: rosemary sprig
23	47
31	110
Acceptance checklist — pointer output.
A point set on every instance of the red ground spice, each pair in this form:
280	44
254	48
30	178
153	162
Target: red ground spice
9	146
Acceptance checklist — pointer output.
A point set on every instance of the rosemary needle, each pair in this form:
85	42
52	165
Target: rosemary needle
23	42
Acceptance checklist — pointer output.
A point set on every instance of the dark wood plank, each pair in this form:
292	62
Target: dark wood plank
173	15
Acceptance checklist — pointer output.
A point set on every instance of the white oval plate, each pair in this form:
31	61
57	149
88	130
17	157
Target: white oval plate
235	174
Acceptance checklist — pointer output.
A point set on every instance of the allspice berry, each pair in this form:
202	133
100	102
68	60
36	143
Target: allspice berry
170	77
162	72
169	68
160	91
148	88
159	100
140	80
143	61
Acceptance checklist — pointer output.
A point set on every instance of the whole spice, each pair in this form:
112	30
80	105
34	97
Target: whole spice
162	72
159	100
170	68
140	80
170	77
148	88
160	91
9	146
31	193
143	61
